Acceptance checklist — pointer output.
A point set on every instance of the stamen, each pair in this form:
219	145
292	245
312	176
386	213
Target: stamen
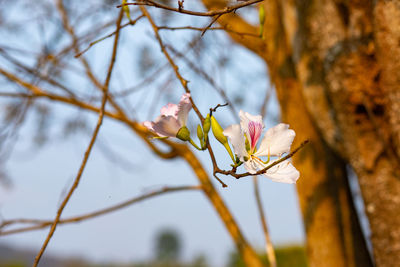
259	160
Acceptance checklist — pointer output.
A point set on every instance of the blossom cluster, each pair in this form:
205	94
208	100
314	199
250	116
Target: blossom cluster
243	137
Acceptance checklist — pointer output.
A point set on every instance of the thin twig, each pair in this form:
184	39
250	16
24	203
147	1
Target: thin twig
211	29
91	143
207	77
218	106
131	22
138	128
183	81
40	224
233	173
269	248
211	23
89	73
211	13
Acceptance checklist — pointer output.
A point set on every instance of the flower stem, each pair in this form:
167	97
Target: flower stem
194	144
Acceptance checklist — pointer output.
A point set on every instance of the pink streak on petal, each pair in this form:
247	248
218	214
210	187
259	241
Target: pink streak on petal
255	129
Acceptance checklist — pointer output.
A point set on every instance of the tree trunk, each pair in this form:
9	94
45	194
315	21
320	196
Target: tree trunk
350	86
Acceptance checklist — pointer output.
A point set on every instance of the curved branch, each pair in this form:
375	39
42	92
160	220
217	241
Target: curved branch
40	224
212	13
235	23
89	148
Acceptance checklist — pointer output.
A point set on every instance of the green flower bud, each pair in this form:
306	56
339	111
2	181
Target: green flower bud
200	134
183	134
207	124
219	135
218	131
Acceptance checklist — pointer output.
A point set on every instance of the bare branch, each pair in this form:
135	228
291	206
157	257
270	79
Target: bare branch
208	78
139	129
40	224
211	23
211	13
183	81
91	143
131	23
226	29
233	173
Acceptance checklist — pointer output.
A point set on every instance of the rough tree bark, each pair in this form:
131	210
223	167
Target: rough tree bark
336	69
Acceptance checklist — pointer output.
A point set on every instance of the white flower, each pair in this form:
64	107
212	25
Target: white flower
276	141
172	118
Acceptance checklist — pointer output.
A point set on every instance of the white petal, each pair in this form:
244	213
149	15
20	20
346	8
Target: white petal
166	126
277	140
184	107
251	166
283	172
169	110
236	137
245	119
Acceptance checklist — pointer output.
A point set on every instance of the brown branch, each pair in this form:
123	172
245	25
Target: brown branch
269	249
211	13
237	24
183	81
208	78
211	29
248	254
233	173
150	78
136	127
40	224
67	26
131	22
18	95
35	72
91	143
209	25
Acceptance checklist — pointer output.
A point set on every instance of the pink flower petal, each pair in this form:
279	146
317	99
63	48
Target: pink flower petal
184	107
169	110
166	126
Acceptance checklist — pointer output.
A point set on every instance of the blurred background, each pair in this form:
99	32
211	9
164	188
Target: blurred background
42	141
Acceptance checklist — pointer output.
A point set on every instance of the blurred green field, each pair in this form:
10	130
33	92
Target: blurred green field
287	256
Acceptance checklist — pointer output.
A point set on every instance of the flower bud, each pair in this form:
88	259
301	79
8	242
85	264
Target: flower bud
183	134
207	124
200	134
218	131
219	135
